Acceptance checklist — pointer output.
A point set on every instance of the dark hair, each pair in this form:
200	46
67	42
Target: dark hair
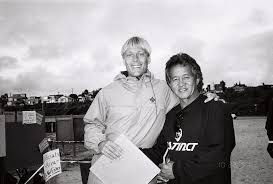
184	60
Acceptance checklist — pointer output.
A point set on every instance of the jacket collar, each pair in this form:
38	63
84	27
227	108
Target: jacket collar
146	77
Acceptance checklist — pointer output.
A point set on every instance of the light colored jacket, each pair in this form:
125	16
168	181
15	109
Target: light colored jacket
136	108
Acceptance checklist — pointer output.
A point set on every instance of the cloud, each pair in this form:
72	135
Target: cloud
187	44
103	60
259	17
5	85
46	52
7	62
247	59
76	44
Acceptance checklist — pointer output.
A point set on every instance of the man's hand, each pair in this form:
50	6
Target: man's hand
213	96
110	149
270	149
167	170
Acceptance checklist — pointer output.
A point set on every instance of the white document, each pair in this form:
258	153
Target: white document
134	167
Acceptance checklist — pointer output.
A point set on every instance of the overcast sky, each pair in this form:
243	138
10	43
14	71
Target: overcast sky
50	47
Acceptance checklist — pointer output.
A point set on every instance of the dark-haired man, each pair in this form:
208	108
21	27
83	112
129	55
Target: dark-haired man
198	137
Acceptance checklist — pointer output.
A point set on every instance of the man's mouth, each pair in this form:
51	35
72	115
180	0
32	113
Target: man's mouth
136	66
182	89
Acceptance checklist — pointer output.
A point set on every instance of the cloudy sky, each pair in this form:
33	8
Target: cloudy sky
50	47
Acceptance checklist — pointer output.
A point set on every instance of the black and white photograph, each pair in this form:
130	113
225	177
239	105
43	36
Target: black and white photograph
139	92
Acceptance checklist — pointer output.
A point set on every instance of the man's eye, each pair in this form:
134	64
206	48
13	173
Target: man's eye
142	54
129	55
174	79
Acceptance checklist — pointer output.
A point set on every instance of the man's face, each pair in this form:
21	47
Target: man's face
136	61
182	82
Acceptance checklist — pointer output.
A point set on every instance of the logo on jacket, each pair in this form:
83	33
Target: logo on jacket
181	146
178	135
152	99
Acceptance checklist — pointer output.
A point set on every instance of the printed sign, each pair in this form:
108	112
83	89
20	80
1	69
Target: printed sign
29	117
39	118
43	145
52	164
2	136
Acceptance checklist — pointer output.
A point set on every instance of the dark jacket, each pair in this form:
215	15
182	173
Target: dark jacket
269	121
210	126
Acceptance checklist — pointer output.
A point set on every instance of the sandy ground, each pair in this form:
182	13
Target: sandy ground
250	160
250	163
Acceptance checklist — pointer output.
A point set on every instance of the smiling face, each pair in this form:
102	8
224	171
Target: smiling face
183	82
136	61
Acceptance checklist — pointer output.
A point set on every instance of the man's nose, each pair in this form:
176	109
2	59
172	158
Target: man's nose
135	58
181	82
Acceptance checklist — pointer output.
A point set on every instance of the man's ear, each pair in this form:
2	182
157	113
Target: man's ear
197	81
149	60
123	61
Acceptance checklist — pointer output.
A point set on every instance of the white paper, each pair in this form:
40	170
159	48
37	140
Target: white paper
134	167
52	164
29	117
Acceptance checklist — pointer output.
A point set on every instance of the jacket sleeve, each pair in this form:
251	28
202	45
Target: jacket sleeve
171	99
269	121
94	121
157	151
213	155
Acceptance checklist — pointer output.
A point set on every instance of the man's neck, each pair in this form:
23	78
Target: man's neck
187	101
127	75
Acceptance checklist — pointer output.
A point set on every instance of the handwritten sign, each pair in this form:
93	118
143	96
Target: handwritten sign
2	136
29	117
43	145
52	164
39	118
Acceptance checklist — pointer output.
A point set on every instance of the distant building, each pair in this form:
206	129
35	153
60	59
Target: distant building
54	98
239	87
64	99
217	88
17	99
44	99
33	100
81	98
267	86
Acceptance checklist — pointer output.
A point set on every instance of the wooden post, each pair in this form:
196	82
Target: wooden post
74	149
63	146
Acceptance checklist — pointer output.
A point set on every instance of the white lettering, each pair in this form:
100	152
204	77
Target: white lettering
182	146
192	146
